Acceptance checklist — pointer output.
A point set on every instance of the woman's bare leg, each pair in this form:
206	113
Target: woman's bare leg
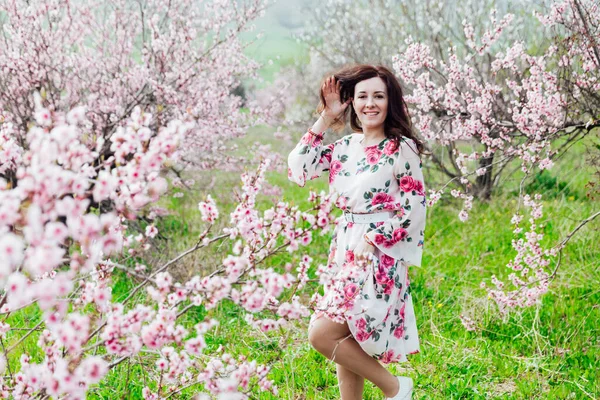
335	342
351	384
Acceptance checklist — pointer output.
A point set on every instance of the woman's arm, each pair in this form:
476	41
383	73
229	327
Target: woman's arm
309	159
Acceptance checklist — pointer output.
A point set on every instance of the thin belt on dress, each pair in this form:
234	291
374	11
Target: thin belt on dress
367	218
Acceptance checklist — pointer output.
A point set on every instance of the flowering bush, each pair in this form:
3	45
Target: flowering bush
97	100
58	253
180	61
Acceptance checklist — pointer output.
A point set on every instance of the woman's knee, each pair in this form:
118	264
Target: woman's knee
323	335
316	338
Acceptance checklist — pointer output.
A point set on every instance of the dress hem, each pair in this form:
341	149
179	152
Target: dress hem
320	314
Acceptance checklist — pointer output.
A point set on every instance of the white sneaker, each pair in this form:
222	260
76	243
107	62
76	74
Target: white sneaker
406	389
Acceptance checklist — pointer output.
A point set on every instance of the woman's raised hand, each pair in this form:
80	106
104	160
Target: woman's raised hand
333	106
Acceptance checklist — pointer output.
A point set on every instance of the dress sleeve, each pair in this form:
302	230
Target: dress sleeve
309	159
401	237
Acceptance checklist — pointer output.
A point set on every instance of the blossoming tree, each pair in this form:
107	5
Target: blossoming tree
519	109
97	100
182	60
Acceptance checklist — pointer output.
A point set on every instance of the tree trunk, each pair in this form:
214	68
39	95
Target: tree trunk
483	183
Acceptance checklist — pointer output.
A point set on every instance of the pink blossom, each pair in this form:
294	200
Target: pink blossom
11	252
93	369
151	231
43	117
157	187
341	202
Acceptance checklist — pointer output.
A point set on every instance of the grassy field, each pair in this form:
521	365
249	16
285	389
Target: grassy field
550	351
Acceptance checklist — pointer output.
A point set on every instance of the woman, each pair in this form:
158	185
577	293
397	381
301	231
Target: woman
366	315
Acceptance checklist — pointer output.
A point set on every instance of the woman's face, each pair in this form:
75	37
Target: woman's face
370	102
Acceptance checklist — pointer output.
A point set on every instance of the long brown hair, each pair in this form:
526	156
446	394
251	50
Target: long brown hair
397	122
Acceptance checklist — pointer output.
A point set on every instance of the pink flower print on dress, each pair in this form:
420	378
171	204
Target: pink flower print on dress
350	290
419	187
361	324
388	357
349	256
372	319
327	155
399	210
335	167
399	331
390	148
390	206
381	198
305	138
373	155
361	336
388	287
386	262
381	277
407	183
381	240
399	234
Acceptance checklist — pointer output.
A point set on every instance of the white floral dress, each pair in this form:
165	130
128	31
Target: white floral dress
375	298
